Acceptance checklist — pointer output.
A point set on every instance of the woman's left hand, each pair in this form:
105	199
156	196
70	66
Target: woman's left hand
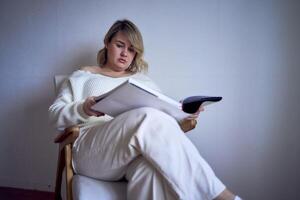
190	122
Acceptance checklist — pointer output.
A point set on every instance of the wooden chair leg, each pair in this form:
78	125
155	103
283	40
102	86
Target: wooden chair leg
65	140
69	171
59	173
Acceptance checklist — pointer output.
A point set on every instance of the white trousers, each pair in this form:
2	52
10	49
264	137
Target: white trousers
149	148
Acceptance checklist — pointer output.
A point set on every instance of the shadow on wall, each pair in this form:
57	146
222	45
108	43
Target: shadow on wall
29	157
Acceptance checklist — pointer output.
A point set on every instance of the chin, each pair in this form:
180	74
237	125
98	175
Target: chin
120	68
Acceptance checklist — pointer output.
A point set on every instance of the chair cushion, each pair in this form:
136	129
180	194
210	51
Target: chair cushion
85	188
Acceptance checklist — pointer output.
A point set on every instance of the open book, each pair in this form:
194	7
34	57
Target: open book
131	95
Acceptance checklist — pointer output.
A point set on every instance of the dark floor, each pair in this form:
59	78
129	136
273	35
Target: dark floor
21	194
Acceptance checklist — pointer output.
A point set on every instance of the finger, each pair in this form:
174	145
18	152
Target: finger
197	113
97	113
190	117
91	101
194	122
94	113
89	113
201	109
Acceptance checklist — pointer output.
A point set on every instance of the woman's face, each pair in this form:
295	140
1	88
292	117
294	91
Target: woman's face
120	53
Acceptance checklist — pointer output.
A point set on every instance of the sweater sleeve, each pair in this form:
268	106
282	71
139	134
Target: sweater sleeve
65	112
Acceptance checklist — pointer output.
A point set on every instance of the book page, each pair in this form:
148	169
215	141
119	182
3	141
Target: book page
132	95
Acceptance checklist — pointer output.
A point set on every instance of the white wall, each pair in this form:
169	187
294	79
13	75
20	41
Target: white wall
245	51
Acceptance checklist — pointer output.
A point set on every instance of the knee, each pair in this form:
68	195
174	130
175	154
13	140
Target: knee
146	111
143	121
151	113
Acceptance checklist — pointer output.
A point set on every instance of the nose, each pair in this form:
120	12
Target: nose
124	52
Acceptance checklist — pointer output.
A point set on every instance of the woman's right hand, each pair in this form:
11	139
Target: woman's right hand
88	103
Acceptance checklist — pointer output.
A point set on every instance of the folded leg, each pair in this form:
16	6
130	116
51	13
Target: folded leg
146	183
104	152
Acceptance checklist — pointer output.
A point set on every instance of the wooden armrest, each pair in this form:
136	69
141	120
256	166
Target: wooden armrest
72	131
187	124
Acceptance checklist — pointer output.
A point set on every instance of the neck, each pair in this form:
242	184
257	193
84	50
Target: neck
109	71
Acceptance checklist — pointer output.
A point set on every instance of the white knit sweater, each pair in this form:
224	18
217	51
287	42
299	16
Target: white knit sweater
67	107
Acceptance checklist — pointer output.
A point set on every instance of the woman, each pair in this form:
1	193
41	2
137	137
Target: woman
146	146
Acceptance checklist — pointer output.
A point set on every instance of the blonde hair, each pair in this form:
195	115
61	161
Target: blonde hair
134	36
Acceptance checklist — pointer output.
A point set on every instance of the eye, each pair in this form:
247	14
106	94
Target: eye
131	50
119	45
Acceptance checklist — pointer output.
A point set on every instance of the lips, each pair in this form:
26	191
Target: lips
121	60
